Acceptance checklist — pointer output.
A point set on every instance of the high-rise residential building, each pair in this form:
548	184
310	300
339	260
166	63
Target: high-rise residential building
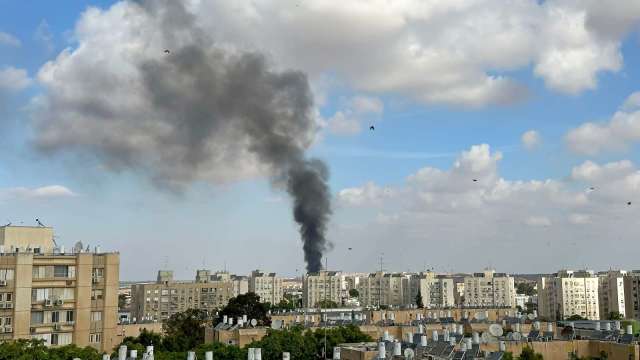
458	293
632	294
58	296
240	283
568	293
611	292
321	286
437	291
388	289
489	289
159	300
266	285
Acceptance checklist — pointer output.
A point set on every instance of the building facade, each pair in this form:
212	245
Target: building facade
611	293
158	301
489	289
60	297
632	294
321	286
568	293
436	291
266	285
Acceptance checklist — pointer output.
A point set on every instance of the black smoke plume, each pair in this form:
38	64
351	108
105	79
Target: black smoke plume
198	113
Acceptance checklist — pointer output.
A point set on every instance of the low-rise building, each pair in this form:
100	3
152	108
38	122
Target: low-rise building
57	296
568	293
489	289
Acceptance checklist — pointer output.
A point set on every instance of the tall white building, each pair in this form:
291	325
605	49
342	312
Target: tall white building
266	285
380	288
320	286
436	291
489	289
568	293
611	292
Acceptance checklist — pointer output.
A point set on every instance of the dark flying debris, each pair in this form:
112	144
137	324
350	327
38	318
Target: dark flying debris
592	188
372	127
350	248
166	51
629	203
474	180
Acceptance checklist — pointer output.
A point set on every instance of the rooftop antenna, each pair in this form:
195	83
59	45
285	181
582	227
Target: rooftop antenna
77	248
55	243
39	223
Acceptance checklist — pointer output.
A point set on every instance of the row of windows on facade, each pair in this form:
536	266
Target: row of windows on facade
51	271
62	339
62	316
166	300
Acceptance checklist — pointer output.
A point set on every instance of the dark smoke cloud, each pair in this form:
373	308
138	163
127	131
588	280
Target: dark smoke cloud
199	113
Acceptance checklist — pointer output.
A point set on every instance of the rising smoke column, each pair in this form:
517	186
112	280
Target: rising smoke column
201	113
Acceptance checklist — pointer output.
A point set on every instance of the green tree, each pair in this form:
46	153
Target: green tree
529	354
35	349
526	288
419	303
327	304
614	315
353	293
247	304
185	330
507	356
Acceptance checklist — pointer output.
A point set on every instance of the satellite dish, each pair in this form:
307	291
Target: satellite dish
495	330
531	316
254	322
487	338
409	353
77	247
480	316
276	324
516	336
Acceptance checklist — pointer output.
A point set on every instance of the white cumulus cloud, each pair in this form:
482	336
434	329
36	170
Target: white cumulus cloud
358	109
44	192
616	134
530	139
13	79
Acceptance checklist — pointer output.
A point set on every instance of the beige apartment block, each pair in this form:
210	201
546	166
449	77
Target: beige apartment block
569	293
158	301
489	289
611	292
57	296
632	294
321	286
437	291
266	285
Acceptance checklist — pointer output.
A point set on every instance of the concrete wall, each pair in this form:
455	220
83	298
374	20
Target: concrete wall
561	349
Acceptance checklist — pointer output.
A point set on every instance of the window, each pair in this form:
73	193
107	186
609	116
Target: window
96	294
37	317
55	317
96	316
61	339
95	338
7	321
6	274
97	274
70	316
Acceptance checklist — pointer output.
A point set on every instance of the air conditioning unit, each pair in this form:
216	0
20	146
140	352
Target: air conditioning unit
48	302
57	326
59	302
8	305
94	280
32	330
71	322
8	329
3	282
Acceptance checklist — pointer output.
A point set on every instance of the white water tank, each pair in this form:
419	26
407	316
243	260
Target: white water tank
503	346
476	337
191	355
435	335
286	356
122	352
208	355
423	340
397	349
258	353
629	329
133	354
382	351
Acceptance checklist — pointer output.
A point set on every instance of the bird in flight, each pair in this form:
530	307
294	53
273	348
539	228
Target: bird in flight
474	180
628	202
350	248
166	51
372	127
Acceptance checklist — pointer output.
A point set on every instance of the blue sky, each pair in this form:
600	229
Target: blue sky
247	224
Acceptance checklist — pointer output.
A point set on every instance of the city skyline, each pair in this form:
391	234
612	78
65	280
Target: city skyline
517	152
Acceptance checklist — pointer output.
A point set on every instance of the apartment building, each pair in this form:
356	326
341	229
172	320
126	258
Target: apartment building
632	294
267	286
489	289
382	288
57	296
321	286
158	301
437	291
240	283
611	292
569	293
